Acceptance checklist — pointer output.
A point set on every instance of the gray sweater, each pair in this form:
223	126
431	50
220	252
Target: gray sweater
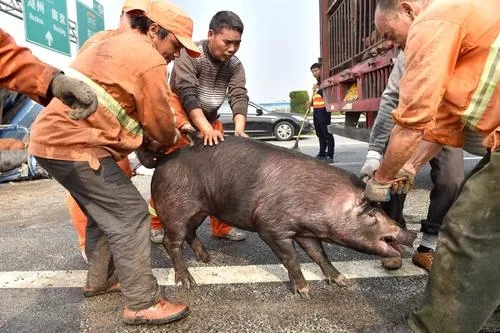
205	83
383	125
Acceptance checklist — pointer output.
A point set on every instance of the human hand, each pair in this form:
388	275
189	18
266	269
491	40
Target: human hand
212	136
376	191
405	179
241	133
372	163
76	94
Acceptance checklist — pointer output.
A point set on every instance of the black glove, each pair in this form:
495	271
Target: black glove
75	94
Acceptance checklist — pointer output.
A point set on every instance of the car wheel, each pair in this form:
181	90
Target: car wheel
284	131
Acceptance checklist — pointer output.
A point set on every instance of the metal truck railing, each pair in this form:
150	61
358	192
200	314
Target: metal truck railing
352	33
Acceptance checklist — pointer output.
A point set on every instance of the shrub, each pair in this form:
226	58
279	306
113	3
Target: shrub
298	101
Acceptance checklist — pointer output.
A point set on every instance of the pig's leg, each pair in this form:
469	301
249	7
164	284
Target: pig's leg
316	252
285	250
175	227
194	241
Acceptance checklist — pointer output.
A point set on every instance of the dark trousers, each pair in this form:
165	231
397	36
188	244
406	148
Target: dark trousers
463	287
322	119
117	244
447	175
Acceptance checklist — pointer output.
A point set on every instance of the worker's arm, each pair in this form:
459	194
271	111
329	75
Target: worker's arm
238	100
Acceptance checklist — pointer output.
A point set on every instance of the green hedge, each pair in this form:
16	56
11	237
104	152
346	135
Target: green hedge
298	100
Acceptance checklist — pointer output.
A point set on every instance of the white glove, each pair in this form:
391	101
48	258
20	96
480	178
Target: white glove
372	163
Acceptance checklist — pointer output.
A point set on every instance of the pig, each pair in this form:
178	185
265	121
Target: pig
284	196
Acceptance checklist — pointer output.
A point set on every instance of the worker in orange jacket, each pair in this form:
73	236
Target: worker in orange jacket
128	72
21	71
451	80
130	9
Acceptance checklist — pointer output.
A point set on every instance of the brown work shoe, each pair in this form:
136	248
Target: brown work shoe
392	263
162	312
423	259
91	292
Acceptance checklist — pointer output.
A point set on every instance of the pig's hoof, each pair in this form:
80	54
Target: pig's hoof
304	293
340	280
185	280
203	256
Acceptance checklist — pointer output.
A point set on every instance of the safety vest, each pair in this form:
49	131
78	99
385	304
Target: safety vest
318	101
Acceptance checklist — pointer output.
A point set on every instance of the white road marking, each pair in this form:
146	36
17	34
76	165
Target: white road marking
362	269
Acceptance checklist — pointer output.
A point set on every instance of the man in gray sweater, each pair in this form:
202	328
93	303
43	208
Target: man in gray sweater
201	85
447	174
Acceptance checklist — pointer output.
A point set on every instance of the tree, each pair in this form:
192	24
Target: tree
298	101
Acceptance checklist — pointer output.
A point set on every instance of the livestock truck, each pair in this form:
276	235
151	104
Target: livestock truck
357	63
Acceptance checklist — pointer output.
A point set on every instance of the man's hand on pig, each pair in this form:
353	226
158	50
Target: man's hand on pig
372	163
150	151
212	137
405	179
241	133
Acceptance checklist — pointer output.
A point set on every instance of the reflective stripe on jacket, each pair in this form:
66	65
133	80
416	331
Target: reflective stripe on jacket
318	102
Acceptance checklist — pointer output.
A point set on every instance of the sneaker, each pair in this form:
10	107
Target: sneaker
157	236
329	159
423	259
162	312
91	292
392	263
234	236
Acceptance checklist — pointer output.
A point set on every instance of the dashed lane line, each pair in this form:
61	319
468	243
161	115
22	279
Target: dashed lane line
362	269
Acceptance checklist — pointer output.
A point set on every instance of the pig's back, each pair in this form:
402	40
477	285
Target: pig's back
242	175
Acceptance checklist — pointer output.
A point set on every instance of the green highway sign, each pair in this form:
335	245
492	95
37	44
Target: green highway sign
89	21
46	24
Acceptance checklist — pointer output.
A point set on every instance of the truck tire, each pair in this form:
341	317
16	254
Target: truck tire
352	119
473	142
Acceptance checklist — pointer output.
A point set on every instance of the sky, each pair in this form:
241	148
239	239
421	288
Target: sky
279	43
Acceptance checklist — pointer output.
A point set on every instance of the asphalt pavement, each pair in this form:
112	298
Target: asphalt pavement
243	288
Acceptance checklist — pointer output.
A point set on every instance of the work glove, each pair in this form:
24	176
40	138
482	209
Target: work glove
404	181
372	163
75	94
378	192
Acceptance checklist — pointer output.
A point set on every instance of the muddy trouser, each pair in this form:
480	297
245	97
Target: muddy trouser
117	245
322	119
447	174
463	287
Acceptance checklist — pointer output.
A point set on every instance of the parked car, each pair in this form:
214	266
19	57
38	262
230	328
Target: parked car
17	113
264	123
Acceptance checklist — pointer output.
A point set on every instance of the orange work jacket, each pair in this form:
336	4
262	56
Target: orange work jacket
21	71
129	69
452	72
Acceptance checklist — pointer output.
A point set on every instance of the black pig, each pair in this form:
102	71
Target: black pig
282	195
